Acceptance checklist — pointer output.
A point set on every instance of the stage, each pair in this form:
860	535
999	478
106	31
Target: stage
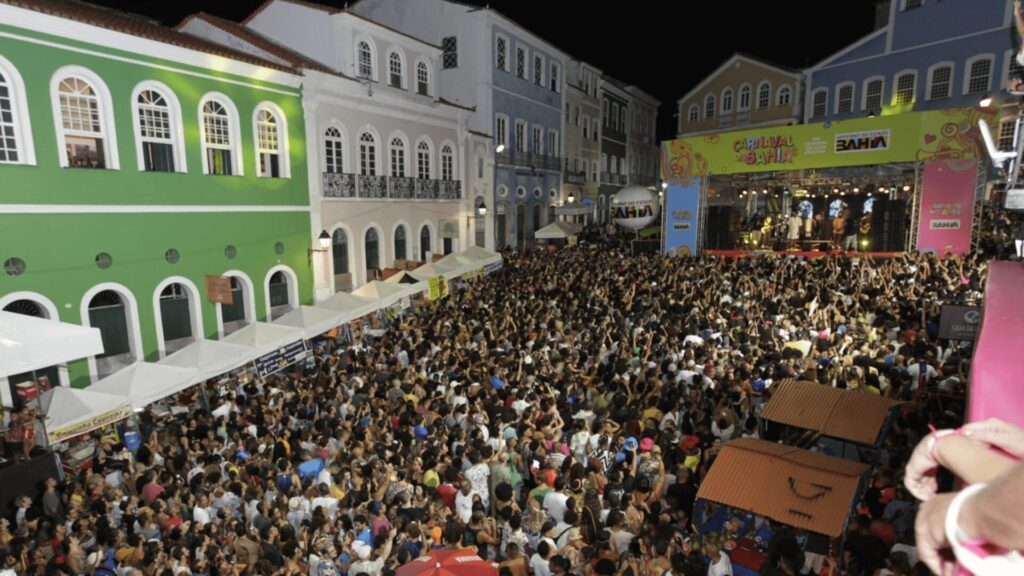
801	253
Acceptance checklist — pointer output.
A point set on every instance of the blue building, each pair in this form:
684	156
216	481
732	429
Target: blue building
926	55
515	80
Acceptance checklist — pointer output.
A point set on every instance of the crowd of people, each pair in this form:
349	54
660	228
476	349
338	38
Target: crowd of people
558	415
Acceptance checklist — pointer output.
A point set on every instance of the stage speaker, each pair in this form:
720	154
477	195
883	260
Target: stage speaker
887	225
717	234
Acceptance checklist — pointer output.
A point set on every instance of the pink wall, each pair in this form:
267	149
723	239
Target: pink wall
997	373
947	207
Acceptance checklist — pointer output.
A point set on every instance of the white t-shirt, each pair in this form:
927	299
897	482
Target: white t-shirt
554	503
721	568
539	566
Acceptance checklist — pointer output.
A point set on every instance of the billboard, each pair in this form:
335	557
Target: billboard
947	207
682	218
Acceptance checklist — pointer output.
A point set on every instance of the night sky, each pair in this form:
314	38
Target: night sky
665	48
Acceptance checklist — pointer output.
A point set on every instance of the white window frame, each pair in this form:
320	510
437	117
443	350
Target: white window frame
424	65
605	114
424	141
282	138
931	80
903	5
1010	58
788	91
539	74
967	72
502	139
739	97
615	116
812	104
586	128
853	97
595	129
377	158
693	115
401	137
896	85
342	138
402	83
373	59
554	143
768	104
234	131
520	135
555	76
108	129
508	53
23	142
709	106
525	74
454	160
864	92
537	139
727	91
174	117
613	166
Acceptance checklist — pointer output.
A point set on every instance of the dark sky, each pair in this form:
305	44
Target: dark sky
664	47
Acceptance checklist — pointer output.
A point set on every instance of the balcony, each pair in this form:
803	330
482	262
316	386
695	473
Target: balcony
364	187
642	180
609	178
579	178
528	160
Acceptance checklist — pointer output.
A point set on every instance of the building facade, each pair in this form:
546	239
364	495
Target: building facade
614	165
515	81
929	55
582	163
743	92
642	152
138	161
387	162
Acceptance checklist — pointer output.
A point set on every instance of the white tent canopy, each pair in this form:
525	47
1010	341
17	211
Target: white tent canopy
313	321
448	267
480	255
350	305
210	357
28	343
574	209
385	293
143	383
264	338
70	412
557	230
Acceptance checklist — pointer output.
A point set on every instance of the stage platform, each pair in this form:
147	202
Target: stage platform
800	253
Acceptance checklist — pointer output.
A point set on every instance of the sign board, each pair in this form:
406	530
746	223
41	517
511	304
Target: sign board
1015	199
438	287
959	322
493	266
281	358
218	290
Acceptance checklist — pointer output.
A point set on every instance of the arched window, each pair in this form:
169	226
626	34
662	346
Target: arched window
365	59
235	316
785	96
108	312
339	251
84	125
270	149
280	295
694	113
764	95
906	88
395	69
372	246
873	88
727	100
156	130
819	103
744	98
979	75
176	317
709	106
15	133
844	98
422	79
220	138
367	154
423	160
447	163
333	151
425	245
397	157
400	241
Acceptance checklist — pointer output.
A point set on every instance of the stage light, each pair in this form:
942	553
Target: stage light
764	191
842	192
906	187
864	243
881	189
986	102
835	190
856	190
869	194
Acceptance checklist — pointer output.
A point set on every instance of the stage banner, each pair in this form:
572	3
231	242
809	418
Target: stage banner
682	211
937	135
281	358
947	207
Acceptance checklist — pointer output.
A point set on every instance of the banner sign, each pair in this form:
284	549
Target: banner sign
947	208
281	358
218	290
61	434
682	209
438	287
950	135
494	266
959	322
471	274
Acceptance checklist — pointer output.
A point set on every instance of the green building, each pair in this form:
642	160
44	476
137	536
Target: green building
135	161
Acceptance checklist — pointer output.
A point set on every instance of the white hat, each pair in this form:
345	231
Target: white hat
361	549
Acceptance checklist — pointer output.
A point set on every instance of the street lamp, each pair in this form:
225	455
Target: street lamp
324	241
482	210
499	149
571	198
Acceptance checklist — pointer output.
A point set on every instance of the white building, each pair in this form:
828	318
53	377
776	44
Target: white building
581	172
387	161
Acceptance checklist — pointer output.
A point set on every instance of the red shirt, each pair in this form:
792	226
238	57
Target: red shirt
447	493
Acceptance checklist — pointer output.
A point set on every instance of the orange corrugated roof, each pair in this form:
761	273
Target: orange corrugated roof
796	487
834	412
